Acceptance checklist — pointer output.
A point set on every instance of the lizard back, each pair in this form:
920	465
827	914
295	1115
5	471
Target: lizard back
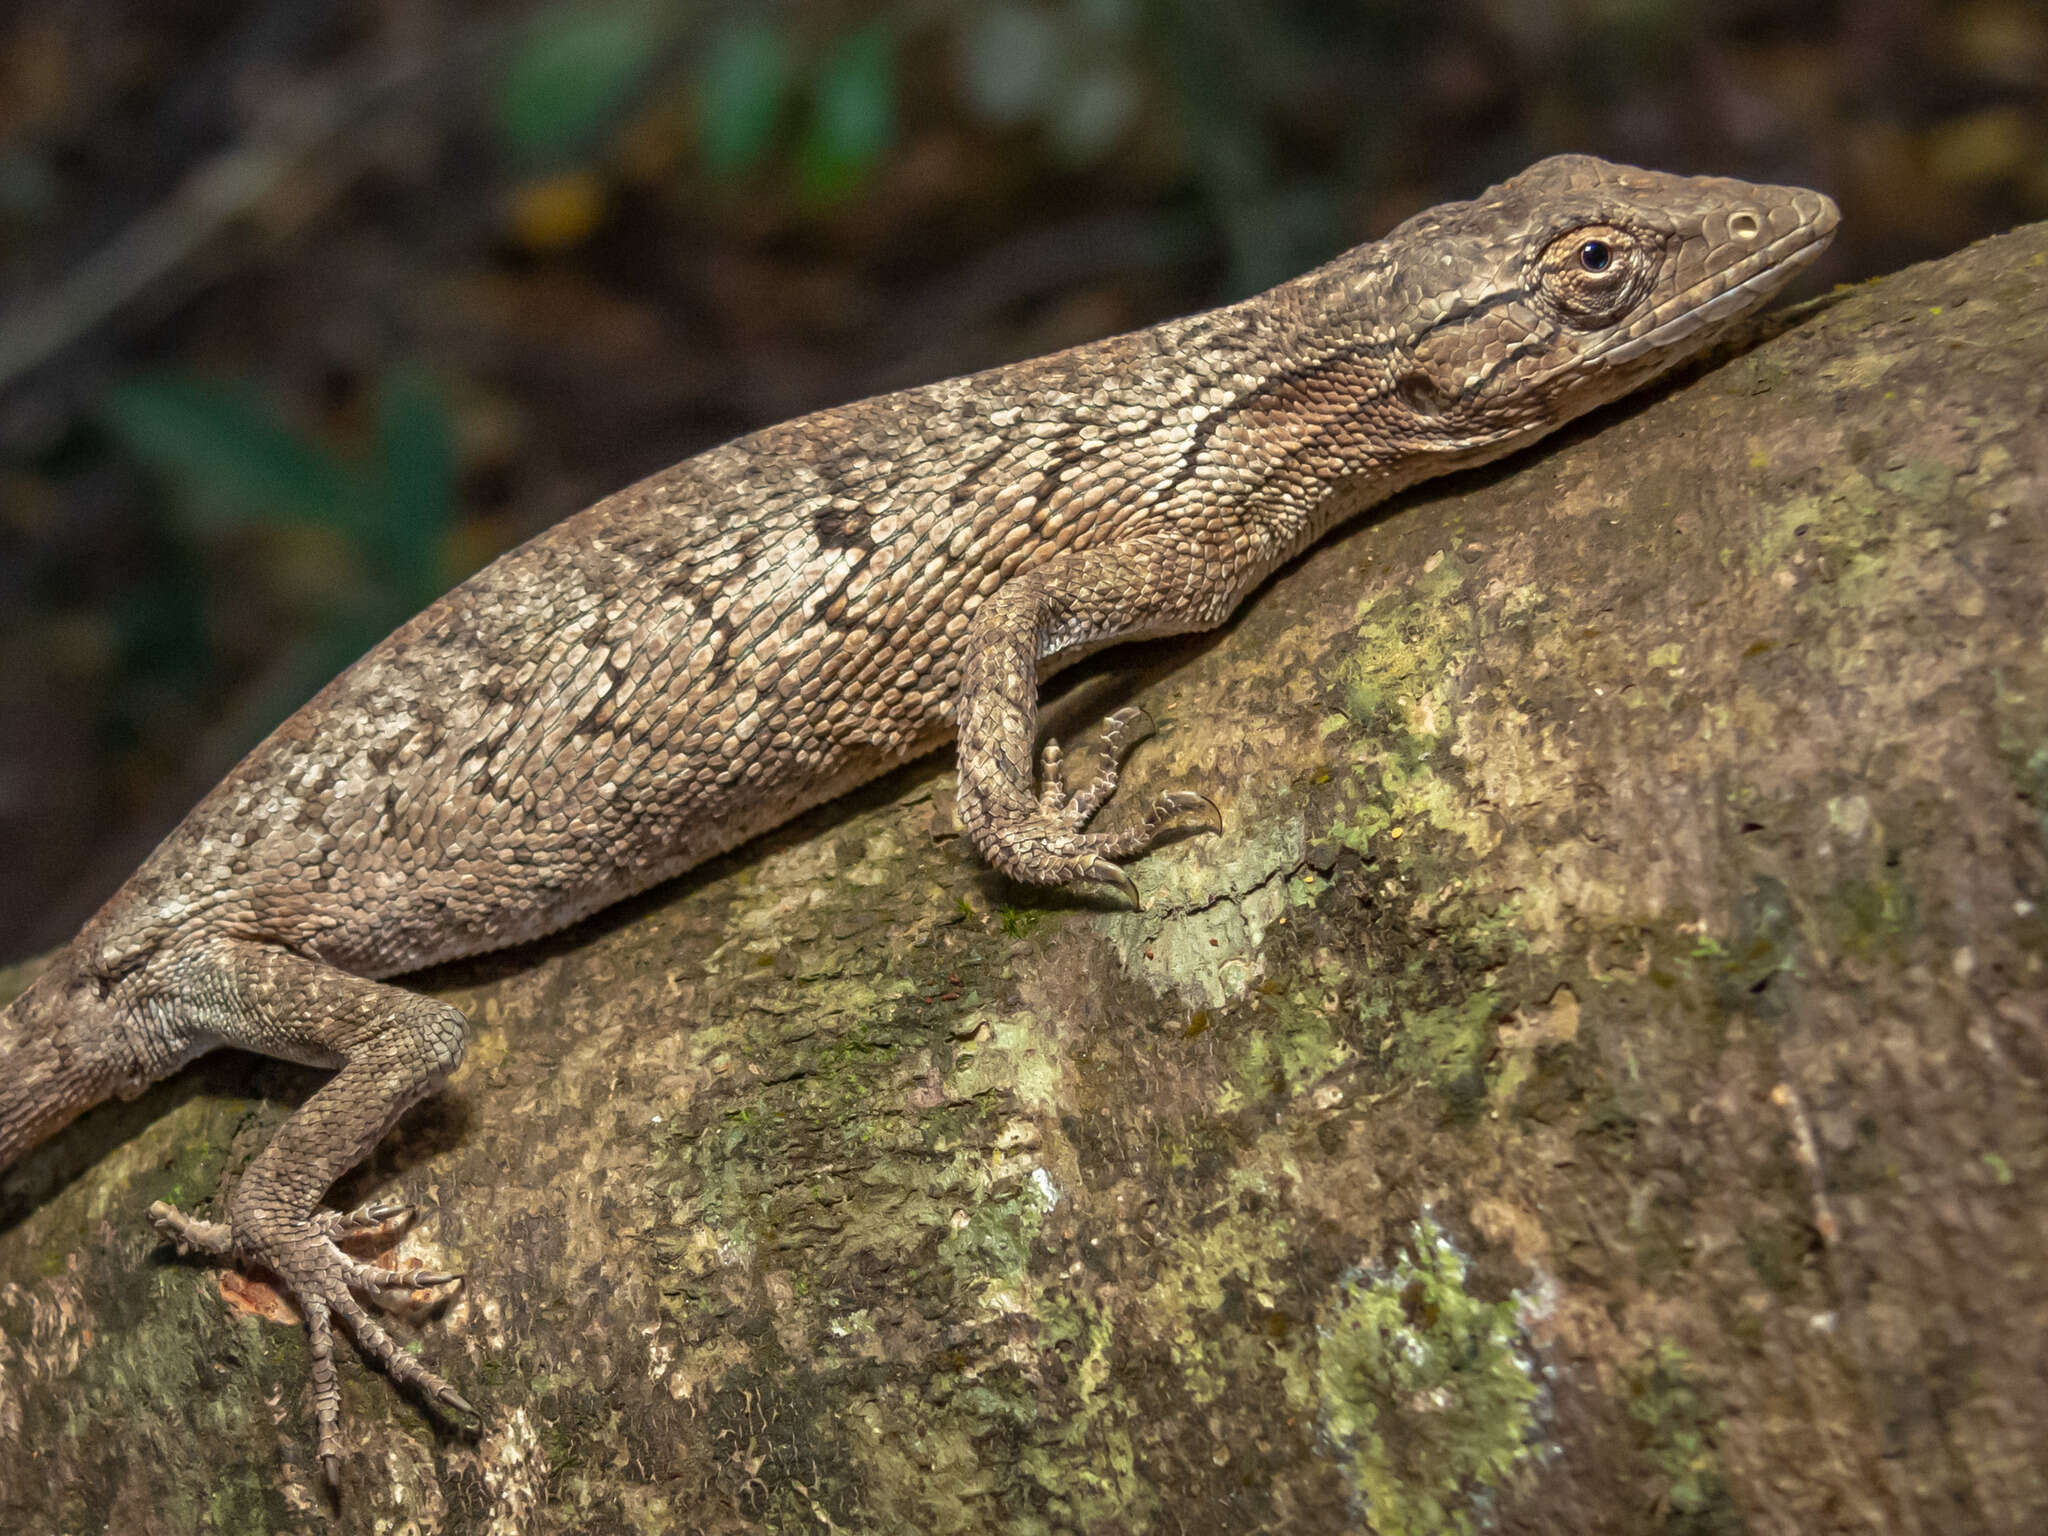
673	670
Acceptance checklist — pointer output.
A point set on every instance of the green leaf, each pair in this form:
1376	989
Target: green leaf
853	115
571	73
412	487
234	457
740	95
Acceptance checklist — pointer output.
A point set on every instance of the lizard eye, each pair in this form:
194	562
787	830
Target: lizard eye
1594	274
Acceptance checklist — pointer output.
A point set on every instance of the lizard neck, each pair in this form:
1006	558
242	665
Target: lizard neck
1334	403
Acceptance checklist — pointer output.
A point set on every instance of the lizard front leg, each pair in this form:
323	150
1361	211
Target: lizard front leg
1038	834
392	1048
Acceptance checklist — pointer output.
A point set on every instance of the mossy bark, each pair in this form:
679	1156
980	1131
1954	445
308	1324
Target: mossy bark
1594	1083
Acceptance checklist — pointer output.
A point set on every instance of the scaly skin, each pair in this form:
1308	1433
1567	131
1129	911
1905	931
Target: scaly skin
729	642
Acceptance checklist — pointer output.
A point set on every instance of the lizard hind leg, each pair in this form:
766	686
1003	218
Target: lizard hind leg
392	1047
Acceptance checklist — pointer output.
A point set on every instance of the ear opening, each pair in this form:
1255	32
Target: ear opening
1422	395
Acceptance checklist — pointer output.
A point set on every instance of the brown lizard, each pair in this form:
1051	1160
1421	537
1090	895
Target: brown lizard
715	649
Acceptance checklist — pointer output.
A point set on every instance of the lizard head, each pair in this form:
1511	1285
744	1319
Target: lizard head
1568	286
63	1049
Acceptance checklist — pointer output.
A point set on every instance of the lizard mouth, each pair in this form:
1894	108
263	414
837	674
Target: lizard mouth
1731	291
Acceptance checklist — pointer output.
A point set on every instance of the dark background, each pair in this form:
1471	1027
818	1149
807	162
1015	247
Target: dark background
310	307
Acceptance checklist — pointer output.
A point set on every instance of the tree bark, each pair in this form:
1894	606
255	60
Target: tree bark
1595	1083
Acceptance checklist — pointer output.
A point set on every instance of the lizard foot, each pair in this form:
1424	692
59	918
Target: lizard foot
306	1257
1052	847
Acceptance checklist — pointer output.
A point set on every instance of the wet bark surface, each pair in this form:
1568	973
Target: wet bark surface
1594	1083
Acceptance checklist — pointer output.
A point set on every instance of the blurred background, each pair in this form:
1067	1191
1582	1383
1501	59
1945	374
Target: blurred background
310	307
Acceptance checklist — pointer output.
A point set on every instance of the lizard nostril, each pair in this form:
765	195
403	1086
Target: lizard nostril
1743	225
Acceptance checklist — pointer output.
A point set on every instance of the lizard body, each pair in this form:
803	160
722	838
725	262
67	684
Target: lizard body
757	629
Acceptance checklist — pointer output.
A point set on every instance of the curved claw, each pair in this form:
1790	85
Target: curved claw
1129	726
1105	872
1179	802
413	1280
448	1397
365	1224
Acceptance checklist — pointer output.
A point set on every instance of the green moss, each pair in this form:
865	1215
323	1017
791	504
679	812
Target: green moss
1767	935
1779	1250
1083	1461
989	1241
1299	1041
1420	1384
238	1502
1445	1045
1019	922
1406	808
1018	1059
1208	1271
1869	918
1676	1434
1402	641
873	1156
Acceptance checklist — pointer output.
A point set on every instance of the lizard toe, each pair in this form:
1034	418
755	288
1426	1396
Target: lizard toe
1124	729
1184	810
189	1234
1114	739
321	1279
326	1392
1177	813
383	1351
377	1282
376	1219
